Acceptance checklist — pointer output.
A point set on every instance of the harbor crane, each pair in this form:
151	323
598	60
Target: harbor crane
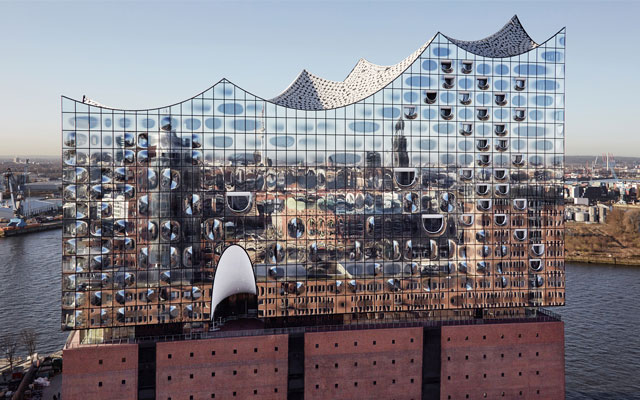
16	191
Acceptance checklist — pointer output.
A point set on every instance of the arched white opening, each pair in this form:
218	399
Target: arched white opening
234	275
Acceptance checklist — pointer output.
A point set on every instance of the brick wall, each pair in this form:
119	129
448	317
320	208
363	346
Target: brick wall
379	363
101	372
524	361
229	368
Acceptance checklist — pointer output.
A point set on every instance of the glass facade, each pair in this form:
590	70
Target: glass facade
438	189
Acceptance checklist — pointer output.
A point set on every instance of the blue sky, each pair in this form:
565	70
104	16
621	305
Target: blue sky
148	54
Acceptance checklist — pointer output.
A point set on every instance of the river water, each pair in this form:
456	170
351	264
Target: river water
602	315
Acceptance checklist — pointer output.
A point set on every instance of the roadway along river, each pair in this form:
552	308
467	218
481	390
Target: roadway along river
601	316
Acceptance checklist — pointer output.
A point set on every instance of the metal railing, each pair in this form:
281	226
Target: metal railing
531	315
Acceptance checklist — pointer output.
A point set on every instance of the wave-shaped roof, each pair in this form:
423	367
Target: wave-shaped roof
310	92
313	93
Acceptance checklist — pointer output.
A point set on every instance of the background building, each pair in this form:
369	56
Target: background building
427	192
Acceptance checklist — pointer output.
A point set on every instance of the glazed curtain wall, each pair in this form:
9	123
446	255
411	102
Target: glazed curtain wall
441	191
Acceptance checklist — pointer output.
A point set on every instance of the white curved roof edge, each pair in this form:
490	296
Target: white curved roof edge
234	275
310	92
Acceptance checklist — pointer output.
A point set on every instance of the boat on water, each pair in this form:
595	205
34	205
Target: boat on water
17	226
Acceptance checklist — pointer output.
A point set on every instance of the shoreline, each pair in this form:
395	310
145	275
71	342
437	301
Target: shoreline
595	259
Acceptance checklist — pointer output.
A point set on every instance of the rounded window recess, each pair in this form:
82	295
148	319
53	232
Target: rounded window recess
370	225
520	204
433	223
465	98
169	179
466	174
150	179
143	205
520	234
484	204
467	67
483	159
409	251
239	202
500	219
448	251
466	129
411	203
520	84
482	267
143	140
170	230
123	227
500	174
404	177
517	160
468	284
538	281
483	83
537	249
339	287
500	99
192	204
503	252
481	236
502	189
502	144
466	219
482	189
130	156
485	251
275	253
449	81
410	112
187	257
352	285
482	144
447	202
463	267
392	250
536	264
430	96
150	232
503	282
446	113
447	66
483	114
500	129
213	229
519	114
295	228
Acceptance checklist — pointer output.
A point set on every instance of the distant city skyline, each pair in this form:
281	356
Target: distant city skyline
158	54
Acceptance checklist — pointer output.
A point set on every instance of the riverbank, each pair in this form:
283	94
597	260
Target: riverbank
617	242
601	259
